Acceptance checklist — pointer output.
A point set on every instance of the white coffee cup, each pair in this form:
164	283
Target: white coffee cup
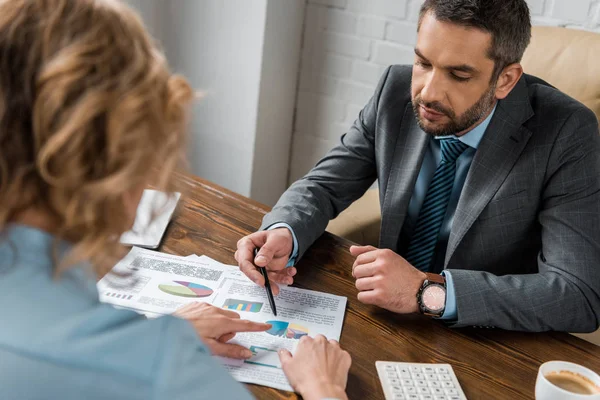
546	390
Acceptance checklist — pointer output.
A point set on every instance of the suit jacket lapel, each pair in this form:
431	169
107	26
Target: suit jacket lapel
498	151
408	155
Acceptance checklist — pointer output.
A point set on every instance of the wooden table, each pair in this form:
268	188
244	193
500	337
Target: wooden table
490	364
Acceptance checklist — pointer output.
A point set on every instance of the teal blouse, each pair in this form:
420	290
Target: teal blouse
57	341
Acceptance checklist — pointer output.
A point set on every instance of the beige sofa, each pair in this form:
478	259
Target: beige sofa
566	58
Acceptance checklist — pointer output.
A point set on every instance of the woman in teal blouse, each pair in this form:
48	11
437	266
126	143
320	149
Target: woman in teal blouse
89	116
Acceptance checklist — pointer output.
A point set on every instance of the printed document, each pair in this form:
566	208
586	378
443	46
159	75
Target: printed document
152	218
156	284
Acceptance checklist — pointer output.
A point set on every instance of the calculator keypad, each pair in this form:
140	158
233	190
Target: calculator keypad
405	381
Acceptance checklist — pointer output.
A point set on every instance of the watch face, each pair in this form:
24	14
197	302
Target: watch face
434	297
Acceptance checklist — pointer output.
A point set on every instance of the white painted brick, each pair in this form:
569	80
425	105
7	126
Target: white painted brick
320	128
330	3
596	18
367	72
313	14
309	66
347	45
337	21
311	33
546	21
387	54
314	110
402	32
325	85
571	10
359	6
575	27
536	7
338	129
320	106
307	150
352	112
548	5
384	8
414	8
333	65
355	93
306	78
371	27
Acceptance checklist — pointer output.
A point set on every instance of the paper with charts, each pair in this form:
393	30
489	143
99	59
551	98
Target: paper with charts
155	284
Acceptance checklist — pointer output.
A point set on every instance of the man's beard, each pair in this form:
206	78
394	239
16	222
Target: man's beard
456	125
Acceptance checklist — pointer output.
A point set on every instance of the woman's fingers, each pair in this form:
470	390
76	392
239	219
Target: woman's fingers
226	337
285	357
244	325
192	310
229	350
228	313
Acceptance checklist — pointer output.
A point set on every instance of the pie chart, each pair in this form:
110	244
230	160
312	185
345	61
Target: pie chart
287	330
186	289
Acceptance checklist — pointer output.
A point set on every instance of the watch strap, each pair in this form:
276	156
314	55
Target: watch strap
436	278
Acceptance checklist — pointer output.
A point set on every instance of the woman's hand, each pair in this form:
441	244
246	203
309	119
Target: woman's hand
216	327
318	369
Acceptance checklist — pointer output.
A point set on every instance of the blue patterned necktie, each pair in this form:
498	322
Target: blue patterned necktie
425	236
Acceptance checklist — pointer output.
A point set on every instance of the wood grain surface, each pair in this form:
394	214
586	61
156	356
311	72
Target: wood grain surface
489	363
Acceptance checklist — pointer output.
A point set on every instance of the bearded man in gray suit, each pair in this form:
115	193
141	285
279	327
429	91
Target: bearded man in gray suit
489	184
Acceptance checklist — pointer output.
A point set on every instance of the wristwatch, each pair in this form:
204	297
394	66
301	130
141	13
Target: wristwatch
432	295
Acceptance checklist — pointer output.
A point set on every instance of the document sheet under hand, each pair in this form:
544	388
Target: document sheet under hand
156	284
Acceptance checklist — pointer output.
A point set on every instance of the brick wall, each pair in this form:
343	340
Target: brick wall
347	45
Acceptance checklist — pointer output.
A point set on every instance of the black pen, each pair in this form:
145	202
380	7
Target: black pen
263	271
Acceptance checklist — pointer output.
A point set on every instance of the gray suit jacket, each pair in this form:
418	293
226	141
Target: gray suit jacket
524	248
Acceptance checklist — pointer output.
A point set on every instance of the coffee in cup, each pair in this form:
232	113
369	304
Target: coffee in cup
561	380
572	382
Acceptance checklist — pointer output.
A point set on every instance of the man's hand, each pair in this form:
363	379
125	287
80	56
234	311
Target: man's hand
275	248
385	279
216	327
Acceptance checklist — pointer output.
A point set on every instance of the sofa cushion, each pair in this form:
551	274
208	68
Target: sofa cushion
568	59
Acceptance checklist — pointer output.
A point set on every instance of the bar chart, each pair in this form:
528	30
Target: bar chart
242	305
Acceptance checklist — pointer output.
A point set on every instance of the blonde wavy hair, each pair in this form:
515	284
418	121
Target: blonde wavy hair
89	113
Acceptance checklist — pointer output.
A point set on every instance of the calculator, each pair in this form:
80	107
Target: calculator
412	381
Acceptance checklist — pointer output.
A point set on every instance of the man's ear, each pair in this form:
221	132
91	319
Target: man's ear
507	80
